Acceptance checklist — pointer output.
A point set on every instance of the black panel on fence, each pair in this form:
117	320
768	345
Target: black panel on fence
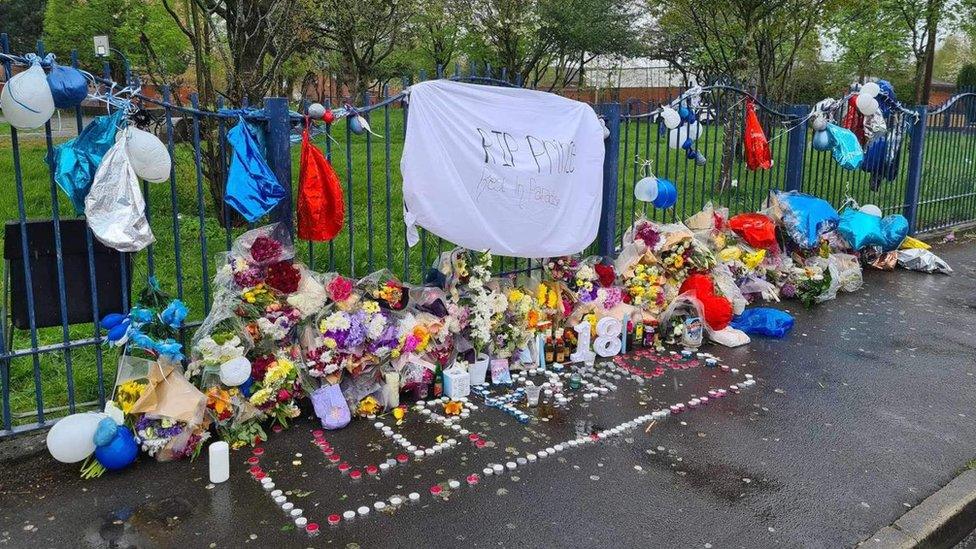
44	273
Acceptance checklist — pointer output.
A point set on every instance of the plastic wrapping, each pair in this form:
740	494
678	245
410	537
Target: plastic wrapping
846	269
264	245
114	207
764	321
69	87
917	259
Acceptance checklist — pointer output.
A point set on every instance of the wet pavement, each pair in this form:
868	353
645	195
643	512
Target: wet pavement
864	410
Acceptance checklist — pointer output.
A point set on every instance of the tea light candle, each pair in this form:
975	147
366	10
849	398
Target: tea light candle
348	515
287	506
414	496
379	505
363	510
296	513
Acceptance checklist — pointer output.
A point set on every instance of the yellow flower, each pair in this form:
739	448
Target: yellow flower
128	393
399	412
730	254
679	261
368	406
753	259
639	269
453	407
514	296
371	307
261	396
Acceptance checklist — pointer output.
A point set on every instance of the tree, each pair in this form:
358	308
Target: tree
581	30
506	34
865	54
140	30
22	20
950	57
966	81
439	26
363	36
252	39
924	20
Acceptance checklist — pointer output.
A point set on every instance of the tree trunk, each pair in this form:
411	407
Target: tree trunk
931	22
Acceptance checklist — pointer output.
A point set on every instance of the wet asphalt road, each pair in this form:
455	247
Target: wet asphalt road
863	411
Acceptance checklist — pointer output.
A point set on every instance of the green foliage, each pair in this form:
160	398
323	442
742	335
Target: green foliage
864	52
21	20
140	29
967	77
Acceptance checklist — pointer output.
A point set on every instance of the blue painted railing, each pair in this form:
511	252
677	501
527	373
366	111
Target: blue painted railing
49	371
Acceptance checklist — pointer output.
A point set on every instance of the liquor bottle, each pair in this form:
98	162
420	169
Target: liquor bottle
560	350
638	338
438	382
550	349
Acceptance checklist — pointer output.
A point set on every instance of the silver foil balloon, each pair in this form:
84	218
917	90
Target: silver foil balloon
115	208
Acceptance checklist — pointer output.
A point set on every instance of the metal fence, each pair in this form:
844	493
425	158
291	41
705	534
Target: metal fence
55	364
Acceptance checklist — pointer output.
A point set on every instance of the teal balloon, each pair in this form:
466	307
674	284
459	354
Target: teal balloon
822	141
894	229
120	452
106	431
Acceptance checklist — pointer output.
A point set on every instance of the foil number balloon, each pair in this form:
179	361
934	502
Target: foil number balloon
583	352
607	341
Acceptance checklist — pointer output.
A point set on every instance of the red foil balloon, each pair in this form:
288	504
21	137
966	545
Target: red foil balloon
321	208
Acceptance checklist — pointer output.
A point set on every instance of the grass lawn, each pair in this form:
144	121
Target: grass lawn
370	171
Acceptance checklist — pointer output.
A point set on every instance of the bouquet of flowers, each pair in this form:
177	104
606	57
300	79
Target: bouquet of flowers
384	288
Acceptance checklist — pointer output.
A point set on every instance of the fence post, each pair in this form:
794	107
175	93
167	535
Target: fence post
279	154
606	237
913	182
795	150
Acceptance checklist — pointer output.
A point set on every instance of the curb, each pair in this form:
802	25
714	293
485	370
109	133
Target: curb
941	520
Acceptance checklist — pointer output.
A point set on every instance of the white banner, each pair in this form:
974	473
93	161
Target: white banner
518	172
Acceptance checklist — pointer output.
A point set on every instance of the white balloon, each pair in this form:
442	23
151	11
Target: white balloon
819	123
871	89
72	438
871	209
646	189
866	104
316	111
671	117
148	155
26	99
235	371
694	130
678	136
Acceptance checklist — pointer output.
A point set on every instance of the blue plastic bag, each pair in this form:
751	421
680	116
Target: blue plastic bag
894	229
860	229
252	188
847	151
76	161
806	217
69	87
764	321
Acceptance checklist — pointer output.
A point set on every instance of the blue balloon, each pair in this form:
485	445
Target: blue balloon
119	331
112	320
355	126
120	452
105	432
806	217
822	141
69	87
252	188
764	321
667	194
894	229
246	386
683	112
860	229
